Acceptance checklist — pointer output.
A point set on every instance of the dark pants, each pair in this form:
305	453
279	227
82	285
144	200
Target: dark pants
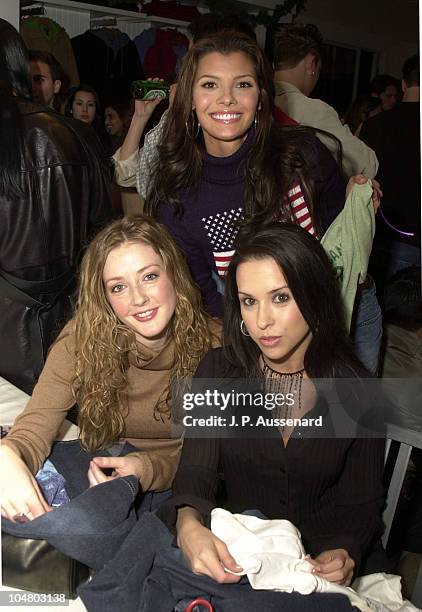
95	523
149	574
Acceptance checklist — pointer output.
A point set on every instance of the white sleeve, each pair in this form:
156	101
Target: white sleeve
125	170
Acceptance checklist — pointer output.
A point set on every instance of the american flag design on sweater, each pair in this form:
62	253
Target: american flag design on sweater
221	228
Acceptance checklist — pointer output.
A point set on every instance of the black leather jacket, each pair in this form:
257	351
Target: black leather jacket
67	199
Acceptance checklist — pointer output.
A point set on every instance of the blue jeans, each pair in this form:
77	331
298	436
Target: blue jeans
96	521
367	329
149	573
402	256
390	256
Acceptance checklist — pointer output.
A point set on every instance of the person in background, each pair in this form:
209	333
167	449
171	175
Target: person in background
402	359
395	137
117	118
83	104
403	325
47	77
297	65
362	108
54	197
387	89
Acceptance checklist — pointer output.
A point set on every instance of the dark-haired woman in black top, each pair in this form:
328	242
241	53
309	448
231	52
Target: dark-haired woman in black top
283	318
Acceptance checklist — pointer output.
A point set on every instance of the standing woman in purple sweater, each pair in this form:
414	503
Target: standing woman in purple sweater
223	157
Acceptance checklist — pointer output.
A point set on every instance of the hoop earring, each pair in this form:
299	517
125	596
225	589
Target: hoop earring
243	328
198	126
256	120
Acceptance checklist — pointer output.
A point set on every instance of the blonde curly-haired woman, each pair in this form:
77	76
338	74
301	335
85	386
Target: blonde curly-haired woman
138	326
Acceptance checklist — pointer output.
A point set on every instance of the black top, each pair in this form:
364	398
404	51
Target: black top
394	136
330	489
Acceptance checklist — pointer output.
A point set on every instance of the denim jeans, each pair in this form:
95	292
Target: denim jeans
148	574
94	524
367	329
390	256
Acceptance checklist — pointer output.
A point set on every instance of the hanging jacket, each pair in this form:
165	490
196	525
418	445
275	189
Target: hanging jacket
107	60
44	34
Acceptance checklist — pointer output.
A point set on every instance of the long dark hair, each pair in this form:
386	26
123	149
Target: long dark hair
274	160
15	83
315	288
98	123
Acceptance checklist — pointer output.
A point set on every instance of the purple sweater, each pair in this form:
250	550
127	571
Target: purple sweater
205	231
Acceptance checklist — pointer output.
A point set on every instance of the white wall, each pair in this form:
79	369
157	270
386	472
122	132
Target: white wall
9	10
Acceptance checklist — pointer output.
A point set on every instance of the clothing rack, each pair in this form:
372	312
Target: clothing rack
36	10
103	22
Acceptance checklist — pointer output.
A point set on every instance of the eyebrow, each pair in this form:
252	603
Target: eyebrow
118	278
213	76
269	292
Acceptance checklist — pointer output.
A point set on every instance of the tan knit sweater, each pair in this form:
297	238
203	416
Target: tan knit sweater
36	429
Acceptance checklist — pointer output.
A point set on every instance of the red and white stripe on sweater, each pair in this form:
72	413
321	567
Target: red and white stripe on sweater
300	209
300	215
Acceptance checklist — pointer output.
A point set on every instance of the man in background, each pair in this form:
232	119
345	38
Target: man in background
297	65
395	138
387	89
48	79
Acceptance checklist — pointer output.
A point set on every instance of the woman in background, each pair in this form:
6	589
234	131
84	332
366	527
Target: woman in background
117	118
83	104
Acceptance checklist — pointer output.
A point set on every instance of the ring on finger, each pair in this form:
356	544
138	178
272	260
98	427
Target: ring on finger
21	517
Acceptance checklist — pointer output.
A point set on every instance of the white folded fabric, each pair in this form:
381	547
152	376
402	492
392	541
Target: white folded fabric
273	558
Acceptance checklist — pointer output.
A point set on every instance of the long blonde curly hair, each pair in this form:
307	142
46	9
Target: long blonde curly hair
103	343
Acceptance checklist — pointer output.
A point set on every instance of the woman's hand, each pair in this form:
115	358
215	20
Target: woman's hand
335	566
130	465
145	108
20	494
141	115
205	553
360	179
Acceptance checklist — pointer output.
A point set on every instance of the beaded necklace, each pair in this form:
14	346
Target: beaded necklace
284	383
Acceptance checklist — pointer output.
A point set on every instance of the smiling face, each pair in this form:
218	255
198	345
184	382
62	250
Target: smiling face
140	291
225	97
271	315
113	123
84	106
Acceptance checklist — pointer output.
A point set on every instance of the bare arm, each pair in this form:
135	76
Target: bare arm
143	111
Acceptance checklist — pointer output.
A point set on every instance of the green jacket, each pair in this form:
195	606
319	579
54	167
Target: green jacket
348	243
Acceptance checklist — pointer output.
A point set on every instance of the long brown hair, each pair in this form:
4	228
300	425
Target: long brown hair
103	342
274	160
